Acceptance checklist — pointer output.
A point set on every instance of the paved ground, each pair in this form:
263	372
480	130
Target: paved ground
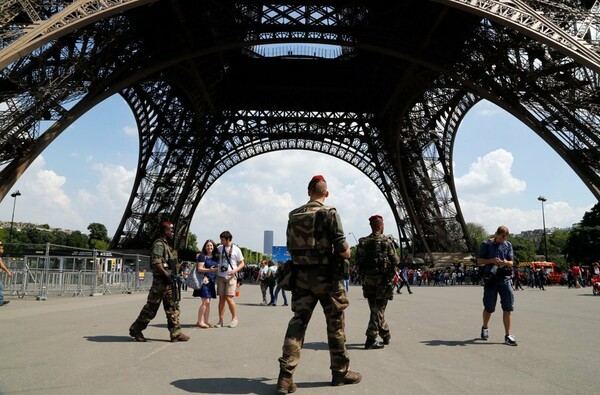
80	345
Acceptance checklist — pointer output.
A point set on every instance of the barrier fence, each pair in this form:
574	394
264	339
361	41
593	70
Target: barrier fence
42	270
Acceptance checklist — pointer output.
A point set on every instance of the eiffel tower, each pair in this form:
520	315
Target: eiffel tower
382	85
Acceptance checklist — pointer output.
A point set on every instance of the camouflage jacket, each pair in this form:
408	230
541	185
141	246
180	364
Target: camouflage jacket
314	234
161	253
376	255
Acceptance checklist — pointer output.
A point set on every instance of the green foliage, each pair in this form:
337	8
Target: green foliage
478	235
251	256
98	232
98	244
592	217
524	249
98	236
560	261
192	242
77	239
583	243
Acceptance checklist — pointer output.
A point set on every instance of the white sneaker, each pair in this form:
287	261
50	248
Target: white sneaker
485	333
510	340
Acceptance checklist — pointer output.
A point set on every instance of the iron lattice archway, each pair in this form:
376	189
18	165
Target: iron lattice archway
389	99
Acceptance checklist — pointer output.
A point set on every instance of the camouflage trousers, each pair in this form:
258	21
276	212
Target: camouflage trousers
377	292
159	291
314	284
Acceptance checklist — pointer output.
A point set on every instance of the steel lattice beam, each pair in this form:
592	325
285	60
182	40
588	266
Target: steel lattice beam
184	69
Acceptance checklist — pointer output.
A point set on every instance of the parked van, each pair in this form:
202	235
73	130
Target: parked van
551	269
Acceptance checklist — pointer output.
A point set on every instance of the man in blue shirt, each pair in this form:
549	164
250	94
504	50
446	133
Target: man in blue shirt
497	256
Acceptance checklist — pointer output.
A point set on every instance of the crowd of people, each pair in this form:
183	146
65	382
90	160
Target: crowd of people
320	274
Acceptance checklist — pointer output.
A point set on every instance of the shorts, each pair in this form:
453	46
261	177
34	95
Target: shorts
226	287
502	287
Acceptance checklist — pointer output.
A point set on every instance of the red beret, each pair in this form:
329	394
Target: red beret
167	225
375	217
314	180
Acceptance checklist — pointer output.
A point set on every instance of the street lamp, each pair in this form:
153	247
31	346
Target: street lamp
12	220
350	233
543	199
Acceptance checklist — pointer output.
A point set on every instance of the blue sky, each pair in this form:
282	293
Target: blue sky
501	167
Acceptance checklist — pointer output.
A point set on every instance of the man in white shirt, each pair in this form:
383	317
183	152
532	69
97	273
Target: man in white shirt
231	261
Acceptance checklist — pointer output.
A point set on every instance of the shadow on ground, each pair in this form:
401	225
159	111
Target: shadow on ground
119	339
454	343
234	385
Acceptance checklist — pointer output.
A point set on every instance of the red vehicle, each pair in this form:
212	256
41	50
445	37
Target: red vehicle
596	284
554	275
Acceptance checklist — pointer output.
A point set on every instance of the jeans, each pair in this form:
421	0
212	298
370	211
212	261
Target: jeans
346	284
1	292
277	289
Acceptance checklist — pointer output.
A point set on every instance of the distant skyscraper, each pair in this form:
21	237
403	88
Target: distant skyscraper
268	240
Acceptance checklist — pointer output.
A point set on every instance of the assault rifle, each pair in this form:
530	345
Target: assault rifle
173	276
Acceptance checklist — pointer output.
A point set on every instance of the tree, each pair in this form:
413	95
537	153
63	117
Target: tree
524	249
583	243
192	243
98	236
98	232
557	241
478	235
98	244
78	239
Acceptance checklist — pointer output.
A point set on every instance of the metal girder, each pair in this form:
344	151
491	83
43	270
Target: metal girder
414	68
204	148
550	92
559	24
71	17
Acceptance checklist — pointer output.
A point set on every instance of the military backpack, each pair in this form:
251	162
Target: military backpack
371	256
307	240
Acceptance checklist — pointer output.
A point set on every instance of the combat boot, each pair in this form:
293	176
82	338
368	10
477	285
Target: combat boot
285	384
349	378
372	344
137	336
181	337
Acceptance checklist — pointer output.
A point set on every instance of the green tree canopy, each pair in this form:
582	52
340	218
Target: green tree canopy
98	232
77	239
478	235
524	249
583	243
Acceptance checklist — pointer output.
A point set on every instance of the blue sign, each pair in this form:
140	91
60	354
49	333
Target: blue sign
280	253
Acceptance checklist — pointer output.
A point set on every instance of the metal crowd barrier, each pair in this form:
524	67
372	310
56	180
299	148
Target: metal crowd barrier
41	284
53	275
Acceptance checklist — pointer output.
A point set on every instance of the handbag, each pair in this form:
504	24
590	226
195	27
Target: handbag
285	276
194	281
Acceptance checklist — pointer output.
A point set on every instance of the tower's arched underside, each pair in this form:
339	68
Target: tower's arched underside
390	104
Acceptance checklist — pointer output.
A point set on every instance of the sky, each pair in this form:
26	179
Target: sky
501	167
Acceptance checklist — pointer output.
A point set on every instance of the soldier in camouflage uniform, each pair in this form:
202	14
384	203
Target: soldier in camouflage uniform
316	242
377	260
162	290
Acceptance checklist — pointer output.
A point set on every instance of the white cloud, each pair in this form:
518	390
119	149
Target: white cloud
258	194
130	131
114	185
43	199
490	177
488	196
